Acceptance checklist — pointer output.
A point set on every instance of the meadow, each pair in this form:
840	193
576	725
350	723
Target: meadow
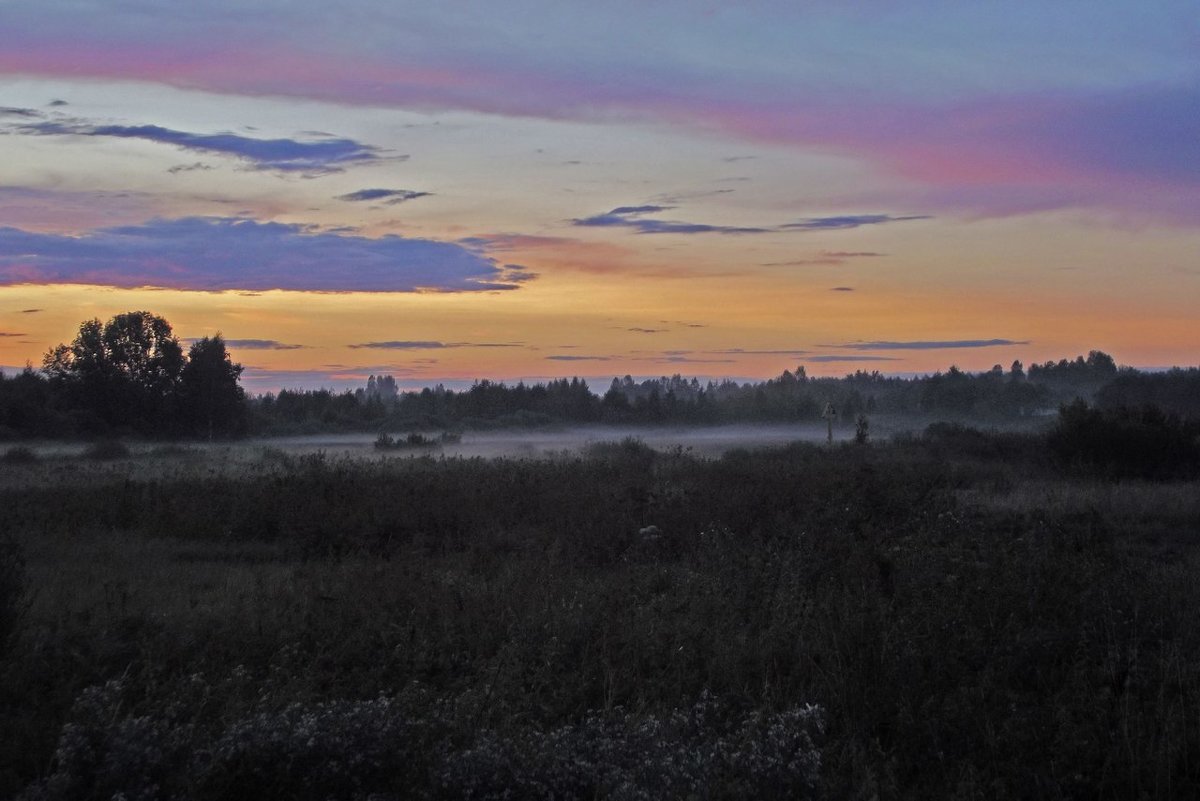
952	614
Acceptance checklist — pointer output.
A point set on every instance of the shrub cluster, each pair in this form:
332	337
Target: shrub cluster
407	746
1141	442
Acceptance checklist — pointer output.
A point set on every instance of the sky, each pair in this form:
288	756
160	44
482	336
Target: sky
526	189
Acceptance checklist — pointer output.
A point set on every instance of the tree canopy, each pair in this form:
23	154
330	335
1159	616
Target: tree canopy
131	373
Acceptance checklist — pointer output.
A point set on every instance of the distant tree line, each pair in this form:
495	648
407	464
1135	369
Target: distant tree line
129	375
995	395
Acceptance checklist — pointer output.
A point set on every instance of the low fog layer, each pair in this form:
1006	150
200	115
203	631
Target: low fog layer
708	441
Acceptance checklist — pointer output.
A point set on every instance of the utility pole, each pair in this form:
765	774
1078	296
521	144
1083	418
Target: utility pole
830	414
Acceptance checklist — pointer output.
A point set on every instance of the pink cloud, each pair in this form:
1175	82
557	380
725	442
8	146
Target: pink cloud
997	154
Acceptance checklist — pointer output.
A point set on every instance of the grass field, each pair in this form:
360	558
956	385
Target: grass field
929	617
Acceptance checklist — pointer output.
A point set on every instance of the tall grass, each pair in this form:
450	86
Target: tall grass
879	621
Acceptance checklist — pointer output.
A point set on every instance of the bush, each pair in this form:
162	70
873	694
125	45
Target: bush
413	745
862	430
386	442
1125	443
702	751
106	450
629	452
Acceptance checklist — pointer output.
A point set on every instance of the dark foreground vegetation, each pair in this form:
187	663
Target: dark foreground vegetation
956	615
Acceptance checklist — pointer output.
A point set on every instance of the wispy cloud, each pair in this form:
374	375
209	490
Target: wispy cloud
11	334
825	258
749	352
197	166
669	357
67	210
632	217
30	311
220	253
846	221
829	358
313	157
390	197
566	357
938	344
425	344
818	261
28	113
841	289
254	344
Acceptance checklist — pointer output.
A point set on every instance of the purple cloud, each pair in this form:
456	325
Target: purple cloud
221	253
631	217
317	157
826	359
846	221
627	210
389	196
571	358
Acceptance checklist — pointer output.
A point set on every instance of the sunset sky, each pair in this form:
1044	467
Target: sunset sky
442	191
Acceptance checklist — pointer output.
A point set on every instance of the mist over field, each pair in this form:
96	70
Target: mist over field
703	441
542	442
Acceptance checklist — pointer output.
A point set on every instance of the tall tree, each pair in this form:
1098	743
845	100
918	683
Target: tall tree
125	371
213	402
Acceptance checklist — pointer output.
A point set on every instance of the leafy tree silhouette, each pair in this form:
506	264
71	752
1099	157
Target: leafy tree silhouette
213	402
125	371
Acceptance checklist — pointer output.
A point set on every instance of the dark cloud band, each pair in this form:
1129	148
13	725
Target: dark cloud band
223	253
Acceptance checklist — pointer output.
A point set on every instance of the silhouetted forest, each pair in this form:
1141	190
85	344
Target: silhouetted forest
130	376
997	395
